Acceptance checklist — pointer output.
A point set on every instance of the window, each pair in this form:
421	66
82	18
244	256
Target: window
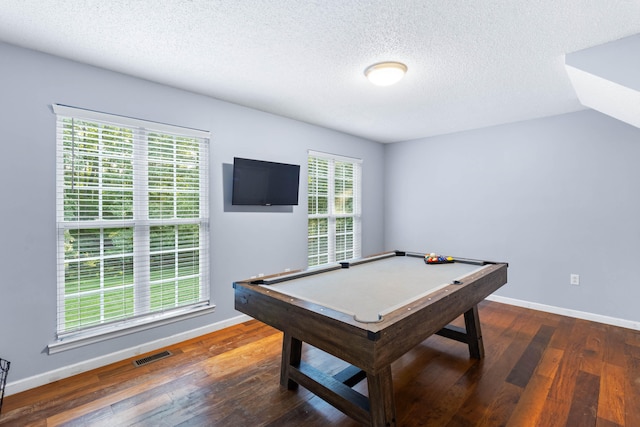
132	221
334	208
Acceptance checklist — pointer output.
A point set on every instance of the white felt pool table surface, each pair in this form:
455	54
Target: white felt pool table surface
368	291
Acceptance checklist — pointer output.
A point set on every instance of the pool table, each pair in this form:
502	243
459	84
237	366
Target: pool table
368	312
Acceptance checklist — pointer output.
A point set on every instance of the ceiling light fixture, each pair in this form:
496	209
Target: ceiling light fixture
385	73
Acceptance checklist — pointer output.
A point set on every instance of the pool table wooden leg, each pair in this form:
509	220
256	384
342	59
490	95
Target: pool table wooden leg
474	333
291	356
381	400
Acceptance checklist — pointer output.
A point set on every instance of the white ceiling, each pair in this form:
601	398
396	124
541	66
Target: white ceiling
471	63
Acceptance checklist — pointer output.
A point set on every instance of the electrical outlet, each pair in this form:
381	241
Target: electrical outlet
574	279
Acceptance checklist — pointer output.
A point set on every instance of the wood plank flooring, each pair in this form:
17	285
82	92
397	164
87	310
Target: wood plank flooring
540	369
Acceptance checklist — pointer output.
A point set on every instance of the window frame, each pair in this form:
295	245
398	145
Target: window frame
142	318
332	216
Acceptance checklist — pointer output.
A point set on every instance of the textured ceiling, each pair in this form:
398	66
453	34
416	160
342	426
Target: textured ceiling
471	63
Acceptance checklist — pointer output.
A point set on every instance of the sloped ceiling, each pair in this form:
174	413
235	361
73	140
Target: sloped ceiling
471	64
607	78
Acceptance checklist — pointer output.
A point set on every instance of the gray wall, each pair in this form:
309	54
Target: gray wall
243	243
553	196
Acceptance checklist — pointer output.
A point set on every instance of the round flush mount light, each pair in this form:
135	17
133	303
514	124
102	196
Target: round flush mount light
385	73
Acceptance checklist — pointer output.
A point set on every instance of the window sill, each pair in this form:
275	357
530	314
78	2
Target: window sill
114	331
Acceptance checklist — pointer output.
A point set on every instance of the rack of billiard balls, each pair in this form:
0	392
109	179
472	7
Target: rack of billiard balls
433	258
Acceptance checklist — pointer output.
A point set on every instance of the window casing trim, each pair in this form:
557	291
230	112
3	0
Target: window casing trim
335	157
76	338
84	114
112	330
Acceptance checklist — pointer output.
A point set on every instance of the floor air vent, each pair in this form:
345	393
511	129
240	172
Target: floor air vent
152	358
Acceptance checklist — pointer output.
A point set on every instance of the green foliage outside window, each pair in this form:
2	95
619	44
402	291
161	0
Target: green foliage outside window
98	172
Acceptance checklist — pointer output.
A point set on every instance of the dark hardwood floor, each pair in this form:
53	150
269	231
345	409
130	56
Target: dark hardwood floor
540	369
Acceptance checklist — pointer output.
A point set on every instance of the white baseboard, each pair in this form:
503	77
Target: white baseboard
67	371
87	365
629	324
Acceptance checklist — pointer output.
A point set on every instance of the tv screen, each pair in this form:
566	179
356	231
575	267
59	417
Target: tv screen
257	182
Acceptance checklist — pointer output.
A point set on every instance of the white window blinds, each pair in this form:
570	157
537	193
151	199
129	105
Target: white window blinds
334	208
132	220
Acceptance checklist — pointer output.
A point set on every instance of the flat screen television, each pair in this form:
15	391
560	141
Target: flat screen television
258	182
